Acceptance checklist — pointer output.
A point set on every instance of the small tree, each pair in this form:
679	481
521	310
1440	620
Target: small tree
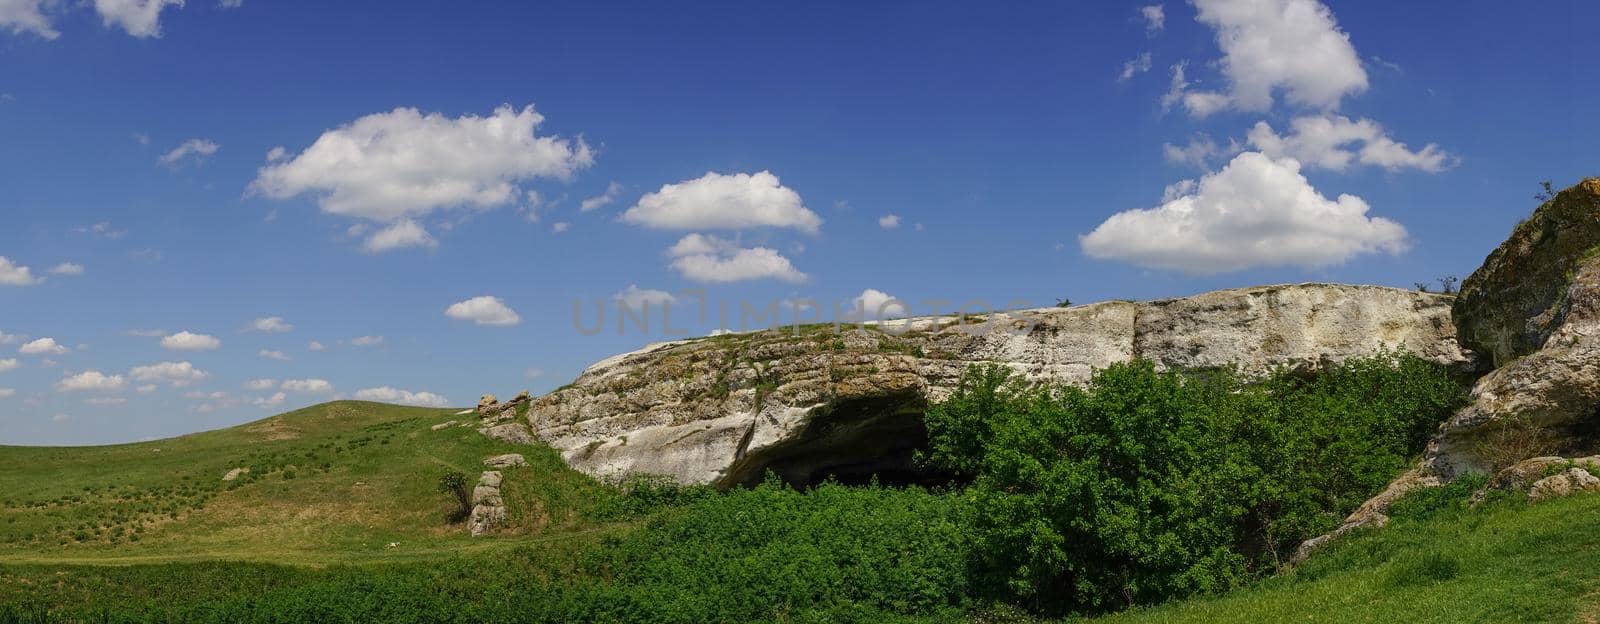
1063	303
1447	284
1421	286
455	484
1547	191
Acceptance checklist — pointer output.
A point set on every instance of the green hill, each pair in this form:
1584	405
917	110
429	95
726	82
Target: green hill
334	482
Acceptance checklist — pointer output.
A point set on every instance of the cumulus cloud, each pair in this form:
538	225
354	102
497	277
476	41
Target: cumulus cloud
91	381
8	364
145	389
874	304
716	201
260	384
6	393
316	346
399	235
67	268
1292	46
13	274
193	150
272	355
387	394
42	346
188	341
706	258
270	402
9	339
637	298
1135	66
560	227
1198	153
307	386
1256	211
271	324
602	200
889	222
367	341
176	374
1334	142
393	166
140	18
484	310
20	16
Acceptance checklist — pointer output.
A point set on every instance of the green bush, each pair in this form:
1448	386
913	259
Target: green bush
1150	485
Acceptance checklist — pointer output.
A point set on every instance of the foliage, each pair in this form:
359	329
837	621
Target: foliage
454	483
1063	302
642	494
1515	438
1547	191
1150	485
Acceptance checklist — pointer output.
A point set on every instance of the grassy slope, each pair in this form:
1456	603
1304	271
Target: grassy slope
329	483
1509	563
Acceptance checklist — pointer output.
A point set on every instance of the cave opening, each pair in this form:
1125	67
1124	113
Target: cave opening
852	442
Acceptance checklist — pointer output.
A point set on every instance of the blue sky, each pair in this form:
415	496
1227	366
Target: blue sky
760	152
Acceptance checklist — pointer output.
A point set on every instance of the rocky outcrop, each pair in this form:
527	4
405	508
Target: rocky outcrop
509	460
1534	306
846	401
488	507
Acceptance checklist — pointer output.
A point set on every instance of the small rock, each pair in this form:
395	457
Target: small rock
509	460
443	425
515	433
235	473
1571	481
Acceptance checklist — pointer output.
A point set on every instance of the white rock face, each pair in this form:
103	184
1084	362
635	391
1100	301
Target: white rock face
724	409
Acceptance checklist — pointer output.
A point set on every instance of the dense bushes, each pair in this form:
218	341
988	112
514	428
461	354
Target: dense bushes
1150	485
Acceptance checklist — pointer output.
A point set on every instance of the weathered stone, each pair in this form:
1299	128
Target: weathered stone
443	425
725	409
509	460
235	474
1568	482
515	433
488	508
487	403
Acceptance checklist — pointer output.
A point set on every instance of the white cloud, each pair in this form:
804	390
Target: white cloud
1327	142
484	310
560	227
176	374
390	166
12	274
105	401
602	200
272	355
187	341
316	346
875	304
726	202
198	395
706	258
1198	153
1135	66
387	394
195	150
307	386
146	333
42	346
8	364
91	381
141	18
9	339
270	402
367	341
60	418
1155	17
260	384
6	393
145	389
533	373
274	324
21	16
889	222
399	235
103	229
67	268
230	4
1255	212
1293	46
637	298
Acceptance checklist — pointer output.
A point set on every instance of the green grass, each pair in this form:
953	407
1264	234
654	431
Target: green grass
1509	562
330	483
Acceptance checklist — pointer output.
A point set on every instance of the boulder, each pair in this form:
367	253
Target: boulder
487	403
235	474
509	460
488	507
847	401
444	425
515	433
1570	481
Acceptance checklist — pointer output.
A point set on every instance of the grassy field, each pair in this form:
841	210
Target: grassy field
339	482
338	520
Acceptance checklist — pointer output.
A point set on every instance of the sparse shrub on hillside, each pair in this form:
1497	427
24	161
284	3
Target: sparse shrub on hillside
454	483
1516	438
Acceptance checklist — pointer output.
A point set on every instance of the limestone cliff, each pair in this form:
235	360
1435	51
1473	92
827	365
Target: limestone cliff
818	402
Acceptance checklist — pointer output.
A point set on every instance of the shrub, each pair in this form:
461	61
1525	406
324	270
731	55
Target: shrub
454	483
